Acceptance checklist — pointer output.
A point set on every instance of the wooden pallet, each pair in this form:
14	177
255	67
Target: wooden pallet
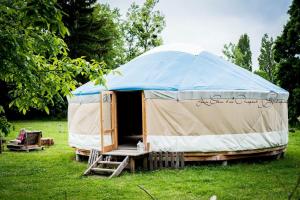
32	142
16	147
158	160
105	165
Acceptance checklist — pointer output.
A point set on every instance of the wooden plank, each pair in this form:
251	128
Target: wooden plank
112	121
39	140
160	160
101	122
108	131
92	166
221	157
172	159
177	160
181	160
90	158
94	154
126	152
115	124
145	163
132	165
166	156
155	160
101	170
82	152
151	161
108	148
110	162
235	152
120	167
144	122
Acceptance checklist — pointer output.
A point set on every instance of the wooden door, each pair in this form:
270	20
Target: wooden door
108	121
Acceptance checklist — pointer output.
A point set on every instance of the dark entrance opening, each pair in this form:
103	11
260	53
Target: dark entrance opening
129	118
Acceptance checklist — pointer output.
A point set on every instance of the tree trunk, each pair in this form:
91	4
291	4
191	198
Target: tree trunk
0	145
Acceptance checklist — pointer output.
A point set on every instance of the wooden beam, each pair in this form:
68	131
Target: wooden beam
160	160
120	167
92	165
115	124
144	122
151	161
187	154
101	122
108	148
108	131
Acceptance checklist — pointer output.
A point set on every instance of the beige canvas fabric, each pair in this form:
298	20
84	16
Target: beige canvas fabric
84	119
206	117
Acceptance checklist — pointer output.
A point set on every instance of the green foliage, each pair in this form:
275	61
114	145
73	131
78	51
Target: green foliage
261	73
95	31
142	28
229	52
5	126
53	174
34	61
267	64
239	54
287	54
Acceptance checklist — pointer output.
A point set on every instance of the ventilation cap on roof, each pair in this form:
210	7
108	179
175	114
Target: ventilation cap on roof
179	47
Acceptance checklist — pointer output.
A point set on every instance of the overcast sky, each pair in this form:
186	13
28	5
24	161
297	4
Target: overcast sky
212	23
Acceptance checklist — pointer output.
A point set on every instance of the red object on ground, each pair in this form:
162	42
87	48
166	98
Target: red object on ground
21	136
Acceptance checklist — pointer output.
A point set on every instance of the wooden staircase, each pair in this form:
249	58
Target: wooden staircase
106	165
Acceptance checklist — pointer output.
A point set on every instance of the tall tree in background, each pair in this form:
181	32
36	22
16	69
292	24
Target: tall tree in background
267	64
240	54
142	28
287	54
34	63
95	31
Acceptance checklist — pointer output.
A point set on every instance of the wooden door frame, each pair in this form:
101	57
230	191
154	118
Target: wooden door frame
114	122
144	121
114	130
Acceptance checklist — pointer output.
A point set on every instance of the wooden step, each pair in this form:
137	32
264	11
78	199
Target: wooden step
101	170
106	168
120	167
109	162
94	164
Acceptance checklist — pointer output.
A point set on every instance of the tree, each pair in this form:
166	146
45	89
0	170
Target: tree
34	61
229	52
267	64
142	28
95	31
287	54
239	54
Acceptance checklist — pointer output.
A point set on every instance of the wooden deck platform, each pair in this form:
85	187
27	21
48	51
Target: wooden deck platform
154	160
133	155
126	152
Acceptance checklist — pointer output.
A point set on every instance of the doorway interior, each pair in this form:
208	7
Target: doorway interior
129	119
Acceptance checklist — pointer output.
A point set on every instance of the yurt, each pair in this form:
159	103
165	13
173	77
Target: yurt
179	98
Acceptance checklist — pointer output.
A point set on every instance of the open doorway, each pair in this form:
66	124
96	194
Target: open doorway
129	119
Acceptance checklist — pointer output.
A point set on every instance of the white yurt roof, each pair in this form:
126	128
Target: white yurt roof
180	67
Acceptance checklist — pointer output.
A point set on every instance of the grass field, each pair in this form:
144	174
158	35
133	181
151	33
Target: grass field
54	174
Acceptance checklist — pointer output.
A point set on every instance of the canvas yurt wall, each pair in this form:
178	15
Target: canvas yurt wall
194	121
194	102
84	121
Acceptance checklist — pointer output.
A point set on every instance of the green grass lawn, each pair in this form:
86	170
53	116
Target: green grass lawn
54	174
